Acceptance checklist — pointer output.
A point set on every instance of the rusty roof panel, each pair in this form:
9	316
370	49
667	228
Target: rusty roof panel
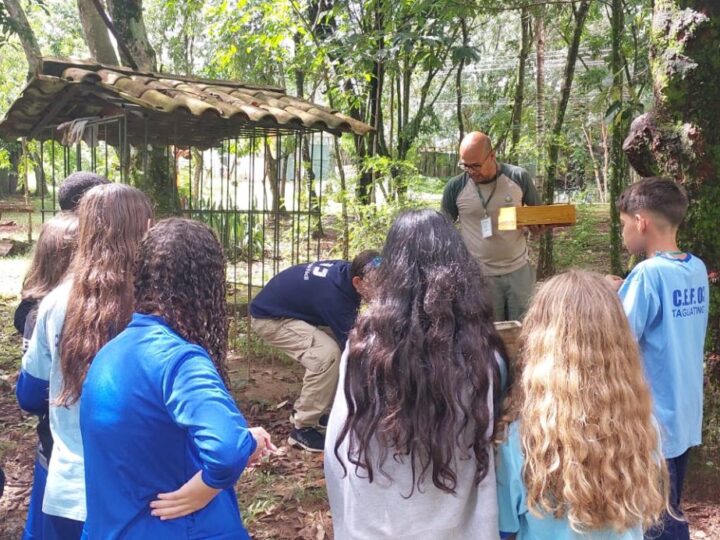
182	110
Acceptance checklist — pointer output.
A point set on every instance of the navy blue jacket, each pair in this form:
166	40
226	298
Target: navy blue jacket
319	293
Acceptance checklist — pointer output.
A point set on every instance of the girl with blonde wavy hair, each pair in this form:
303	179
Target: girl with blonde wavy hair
580	456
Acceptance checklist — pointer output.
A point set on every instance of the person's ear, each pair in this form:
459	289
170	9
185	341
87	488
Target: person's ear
357	283
641	223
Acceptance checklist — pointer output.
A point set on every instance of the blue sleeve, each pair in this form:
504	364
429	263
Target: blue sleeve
510	489
197	400
640	301
32	389
32	393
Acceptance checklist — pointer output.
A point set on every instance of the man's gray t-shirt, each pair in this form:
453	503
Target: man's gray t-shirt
505	251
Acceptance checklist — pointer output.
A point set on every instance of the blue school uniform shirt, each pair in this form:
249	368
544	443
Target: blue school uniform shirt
512	503
667	302
38	387
154	411
319	293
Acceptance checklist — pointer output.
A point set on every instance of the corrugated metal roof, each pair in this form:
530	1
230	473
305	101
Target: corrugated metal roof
162	108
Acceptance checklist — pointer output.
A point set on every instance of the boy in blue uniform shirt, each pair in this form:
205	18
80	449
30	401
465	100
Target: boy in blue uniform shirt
666	299
307	312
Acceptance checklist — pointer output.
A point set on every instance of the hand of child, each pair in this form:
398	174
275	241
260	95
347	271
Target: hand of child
191	497
614	281
264	444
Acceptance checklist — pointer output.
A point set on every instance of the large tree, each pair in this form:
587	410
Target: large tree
679	137
19	24
96	33
546	264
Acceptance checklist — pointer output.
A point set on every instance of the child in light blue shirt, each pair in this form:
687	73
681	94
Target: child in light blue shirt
666	299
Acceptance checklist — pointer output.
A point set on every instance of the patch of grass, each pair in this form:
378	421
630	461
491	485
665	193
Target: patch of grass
307	495
587	244
262	505
10	341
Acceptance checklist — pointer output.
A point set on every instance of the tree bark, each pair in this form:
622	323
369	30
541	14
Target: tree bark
458	82
618	128
127	16
540	94
96	33
679	138
27	37
546	262
516	120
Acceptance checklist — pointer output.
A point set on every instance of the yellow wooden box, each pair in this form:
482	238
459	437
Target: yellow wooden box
517	217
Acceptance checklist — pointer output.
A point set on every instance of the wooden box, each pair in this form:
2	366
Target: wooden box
517	217
510	333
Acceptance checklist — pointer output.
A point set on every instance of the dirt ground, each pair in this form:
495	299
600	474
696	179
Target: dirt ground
284	497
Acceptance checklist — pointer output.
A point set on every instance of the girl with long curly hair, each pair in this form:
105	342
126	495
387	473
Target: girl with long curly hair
51	259
408	450
74	321
580	456
171	426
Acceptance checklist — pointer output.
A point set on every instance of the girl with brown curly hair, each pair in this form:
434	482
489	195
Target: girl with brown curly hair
581	455
74	321
189	442
408	450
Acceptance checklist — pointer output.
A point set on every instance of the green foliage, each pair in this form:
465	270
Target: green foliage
240	234
397	174
370	223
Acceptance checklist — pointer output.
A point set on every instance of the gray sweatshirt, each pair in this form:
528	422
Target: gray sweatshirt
372	511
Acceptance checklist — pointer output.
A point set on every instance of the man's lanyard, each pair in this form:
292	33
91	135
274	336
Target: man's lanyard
484	202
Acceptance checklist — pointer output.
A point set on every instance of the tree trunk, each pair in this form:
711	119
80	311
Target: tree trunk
546	263
540	94
597	172
516	121
27	37
127	16
458	82
618	130
96	33
679	138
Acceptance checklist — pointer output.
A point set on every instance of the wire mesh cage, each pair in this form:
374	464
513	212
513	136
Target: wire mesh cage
262	192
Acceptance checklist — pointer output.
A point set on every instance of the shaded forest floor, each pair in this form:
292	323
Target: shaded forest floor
285	498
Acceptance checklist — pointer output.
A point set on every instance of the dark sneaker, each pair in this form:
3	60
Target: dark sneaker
322	422
308	438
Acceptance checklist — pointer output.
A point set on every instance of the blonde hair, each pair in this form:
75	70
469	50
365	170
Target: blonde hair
53	252
590	444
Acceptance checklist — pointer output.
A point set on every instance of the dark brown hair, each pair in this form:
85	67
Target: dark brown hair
659	195
113	219
75	186
361	262
51	259
421	357
180	276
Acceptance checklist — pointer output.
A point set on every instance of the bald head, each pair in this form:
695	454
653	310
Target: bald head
477	153
476	141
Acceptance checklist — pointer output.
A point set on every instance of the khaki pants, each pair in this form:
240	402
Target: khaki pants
510	293
316	349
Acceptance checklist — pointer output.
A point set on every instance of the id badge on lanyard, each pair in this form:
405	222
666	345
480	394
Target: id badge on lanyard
486	222
486	227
